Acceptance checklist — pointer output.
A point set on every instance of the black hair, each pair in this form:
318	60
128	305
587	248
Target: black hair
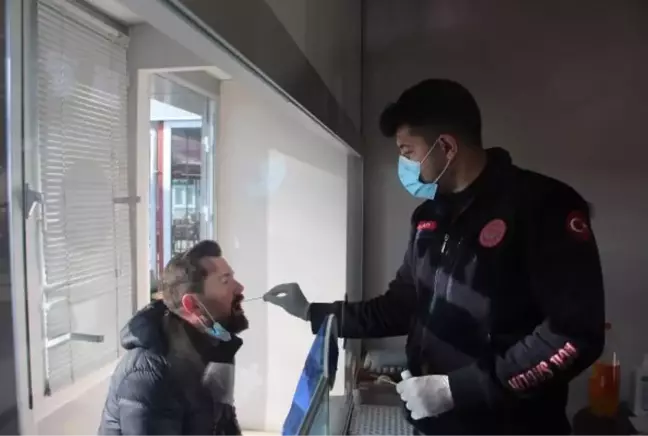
184	273
437	105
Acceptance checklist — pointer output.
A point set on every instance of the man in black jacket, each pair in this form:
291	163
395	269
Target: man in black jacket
177	376
500	292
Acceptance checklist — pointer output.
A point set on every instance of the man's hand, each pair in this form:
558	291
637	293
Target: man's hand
290	298
425	396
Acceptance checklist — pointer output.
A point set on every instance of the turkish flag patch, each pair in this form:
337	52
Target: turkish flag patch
426	225
577	226
492	233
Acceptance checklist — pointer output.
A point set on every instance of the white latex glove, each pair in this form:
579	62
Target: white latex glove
425	396
385	360
290	298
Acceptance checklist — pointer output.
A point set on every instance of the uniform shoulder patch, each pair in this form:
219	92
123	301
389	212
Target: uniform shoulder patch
493	233
577	225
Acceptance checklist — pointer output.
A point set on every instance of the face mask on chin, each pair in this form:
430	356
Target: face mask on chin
409	173
216	329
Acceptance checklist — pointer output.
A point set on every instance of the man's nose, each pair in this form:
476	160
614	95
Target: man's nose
239	288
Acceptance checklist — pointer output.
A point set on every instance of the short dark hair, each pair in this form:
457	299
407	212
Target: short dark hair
439	105
184	273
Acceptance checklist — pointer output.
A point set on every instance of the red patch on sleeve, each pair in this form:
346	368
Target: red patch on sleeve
577	226
492	233
426	225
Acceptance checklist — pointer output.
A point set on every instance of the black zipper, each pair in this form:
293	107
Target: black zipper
443	246
442	256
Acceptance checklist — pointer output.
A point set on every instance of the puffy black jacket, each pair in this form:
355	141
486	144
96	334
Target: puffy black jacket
158	386
501	289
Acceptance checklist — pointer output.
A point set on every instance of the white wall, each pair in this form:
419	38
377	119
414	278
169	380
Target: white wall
282	217
78	417
561	86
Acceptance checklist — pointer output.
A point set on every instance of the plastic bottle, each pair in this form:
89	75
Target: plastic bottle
640	405
604	381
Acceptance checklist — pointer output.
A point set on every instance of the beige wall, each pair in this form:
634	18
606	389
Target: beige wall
562	86
329	34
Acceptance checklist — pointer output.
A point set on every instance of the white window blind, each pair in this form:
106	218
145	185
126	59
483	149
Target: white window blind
85	243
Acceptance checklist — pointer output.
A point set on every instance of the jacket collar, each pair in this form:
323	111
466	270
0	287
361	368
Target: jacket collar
189	341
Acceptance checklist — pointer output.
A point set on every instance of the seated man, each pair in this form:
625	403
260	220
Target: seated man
177	376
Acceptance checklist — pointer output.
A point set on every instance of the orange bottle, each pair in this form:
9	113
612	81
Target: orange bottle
604	382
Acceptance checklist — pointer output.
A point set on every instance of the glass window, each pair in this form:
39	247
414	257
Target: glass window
79	245
184	122
178	200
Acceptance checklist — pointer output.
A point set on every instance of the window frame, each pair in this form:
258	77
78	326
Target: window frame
43	405
142	156
16	79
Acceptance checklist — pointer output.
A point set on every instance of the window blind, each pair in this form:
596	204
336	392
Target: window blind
85	241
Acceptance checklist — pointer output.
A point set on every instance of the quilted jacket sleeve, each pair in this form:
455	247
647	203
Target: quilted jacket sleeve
144	407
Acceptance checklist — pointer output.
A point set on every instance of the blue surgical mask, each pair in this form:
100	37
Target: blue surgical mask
219	332
409	173
216	330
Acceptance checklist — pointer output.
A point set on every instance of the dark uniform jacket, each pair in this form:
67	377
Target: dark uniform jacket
164	384
501	289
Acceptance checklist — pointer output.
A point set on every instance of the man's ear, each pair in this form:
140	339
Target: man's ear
449	145
189	303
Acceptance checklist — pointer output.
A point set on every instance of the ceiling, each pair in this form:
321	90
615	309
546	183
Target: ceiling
116	10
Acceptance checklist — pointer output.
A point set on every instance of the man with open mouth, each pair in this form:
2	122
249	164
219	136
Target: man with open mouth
180	358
